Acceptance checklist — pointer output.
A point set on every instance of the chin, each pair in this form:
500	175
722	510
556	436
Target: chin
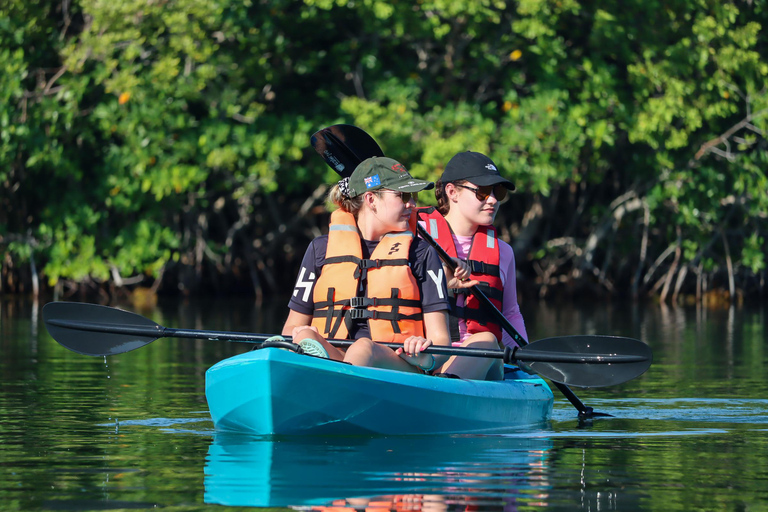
486	219
400	226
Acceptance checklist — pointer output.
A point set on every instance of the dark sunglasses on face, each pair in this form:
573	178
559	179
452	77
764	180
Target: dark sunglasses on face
481	193
405	196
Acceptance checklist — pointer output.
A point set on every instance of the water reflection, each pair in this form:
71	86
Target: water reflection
425	472
77	433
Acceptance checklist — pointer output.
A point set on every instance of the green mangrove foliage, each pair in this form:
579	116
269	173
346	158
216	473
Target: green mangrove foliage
166	143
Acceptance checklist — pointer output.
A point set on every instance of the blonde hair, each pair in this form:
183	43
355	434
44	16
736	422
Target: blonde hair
348	204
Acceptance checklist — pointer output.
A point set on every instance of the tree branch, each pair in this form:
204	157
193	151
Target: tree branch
744	123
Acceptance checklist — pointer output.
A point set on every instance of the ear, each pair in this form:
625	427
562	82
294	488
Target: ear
451	192
369	198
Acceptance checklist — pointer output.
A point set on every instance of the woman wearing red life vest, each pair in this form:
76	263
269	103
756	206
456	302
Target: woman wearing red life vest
370	278
469	193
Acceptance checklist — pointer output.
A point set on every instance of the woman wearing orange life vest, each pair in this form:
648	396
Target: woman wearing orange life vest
468	194
371	279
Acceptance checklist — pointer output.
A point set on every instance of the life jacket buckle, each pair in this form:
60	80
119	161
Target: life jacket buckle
360	314
476	267
361	302
366	264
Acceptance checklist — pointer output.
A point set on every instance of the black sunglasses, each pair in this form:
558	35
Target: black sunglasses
405	196
499	191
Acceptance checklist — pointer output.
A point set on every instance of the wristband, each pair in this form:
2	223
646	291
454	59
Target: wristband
431	367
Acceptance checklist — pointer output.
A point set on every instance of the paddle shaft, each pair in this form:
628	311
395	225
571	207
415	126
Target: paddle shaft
508	355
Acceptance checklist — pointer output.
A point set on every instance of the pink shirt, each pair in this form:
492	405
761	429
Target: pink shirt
511	308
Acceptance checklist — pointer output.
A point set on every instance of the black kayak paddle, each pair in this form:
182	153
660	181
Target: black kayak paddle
343	147
583	361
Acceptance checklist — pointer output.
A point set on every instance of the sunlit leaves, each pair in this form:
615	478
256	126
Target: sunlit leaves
151	113
753	255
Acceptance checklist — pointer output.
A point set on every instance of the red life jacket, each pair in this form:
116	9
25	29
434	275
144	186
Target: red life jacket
483	260
391	302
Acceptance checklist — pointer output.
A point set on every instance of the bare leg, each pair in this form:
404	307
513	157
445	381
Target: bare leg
496	371
333	352
365	352
478	368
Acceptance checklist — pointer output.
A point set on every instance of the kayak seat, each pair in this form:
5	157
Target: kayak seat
277	342
306	346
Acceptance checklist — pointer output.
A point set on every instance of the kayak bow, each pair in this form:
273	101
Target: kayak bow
273	391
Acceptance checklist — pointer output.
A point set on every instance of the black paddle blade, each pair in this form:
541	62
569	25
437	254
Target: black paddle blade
344	146
98	330
587	361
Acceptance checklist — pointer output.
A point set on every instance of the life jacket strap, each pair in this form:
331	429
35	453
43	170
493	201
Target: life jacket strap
481	267
342	259
363	265
395	308
480	316
357	310
365	302
331	313
488	290
367	314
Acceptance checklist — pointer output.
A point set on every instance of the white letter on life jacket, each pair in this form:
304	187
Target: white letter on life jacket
438	279
307	285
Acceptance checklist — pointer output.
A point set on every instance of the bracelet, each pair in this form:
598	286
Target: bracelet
431	367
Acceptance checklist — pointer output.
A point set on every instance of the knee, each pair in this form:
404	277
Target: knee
360	350
485	340
306	332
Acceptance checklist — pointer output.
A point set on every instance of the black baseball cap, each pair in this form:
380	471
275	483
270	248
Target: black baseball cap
474	167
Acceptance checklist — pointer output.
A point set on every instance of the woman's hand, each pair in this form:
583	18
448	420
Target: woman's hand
461	275
411	352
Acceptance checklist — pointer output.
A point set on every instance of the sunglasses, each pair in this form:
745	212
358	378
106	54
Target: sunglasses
405	196
499	191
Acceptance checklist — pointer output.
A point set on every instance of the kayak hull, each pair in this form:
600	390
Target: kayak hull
275	392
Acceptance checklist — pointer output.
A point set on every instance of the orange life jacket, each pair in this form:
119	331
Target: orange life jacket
483	260
391	301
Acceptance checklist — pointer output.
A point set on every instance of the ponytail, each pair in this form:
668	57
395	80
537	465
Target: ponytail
348	204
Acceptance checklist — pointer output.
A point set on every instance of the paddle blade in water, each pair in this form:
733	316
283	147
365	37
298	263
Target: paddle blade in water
605	360
98	330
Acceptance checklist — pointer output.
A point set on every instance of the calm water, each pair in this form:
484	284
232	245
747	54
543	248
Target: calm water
133	431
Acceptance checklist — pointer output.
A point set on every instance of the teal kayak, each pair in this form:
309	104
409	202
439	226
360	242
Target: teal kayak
274	392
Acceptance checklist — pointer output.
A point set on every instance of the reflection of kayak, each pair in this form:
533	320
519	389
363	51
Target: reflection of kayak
241	470
273	391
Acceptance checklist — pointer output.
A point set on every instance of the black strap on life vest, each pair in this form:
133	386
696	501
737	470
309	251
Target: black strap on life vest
364	264
481	267
331	313
488	290
481	316
356	308
359	309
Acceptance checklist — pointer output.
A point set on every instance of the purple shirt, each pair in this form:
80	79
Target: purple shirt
510	307
425	266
